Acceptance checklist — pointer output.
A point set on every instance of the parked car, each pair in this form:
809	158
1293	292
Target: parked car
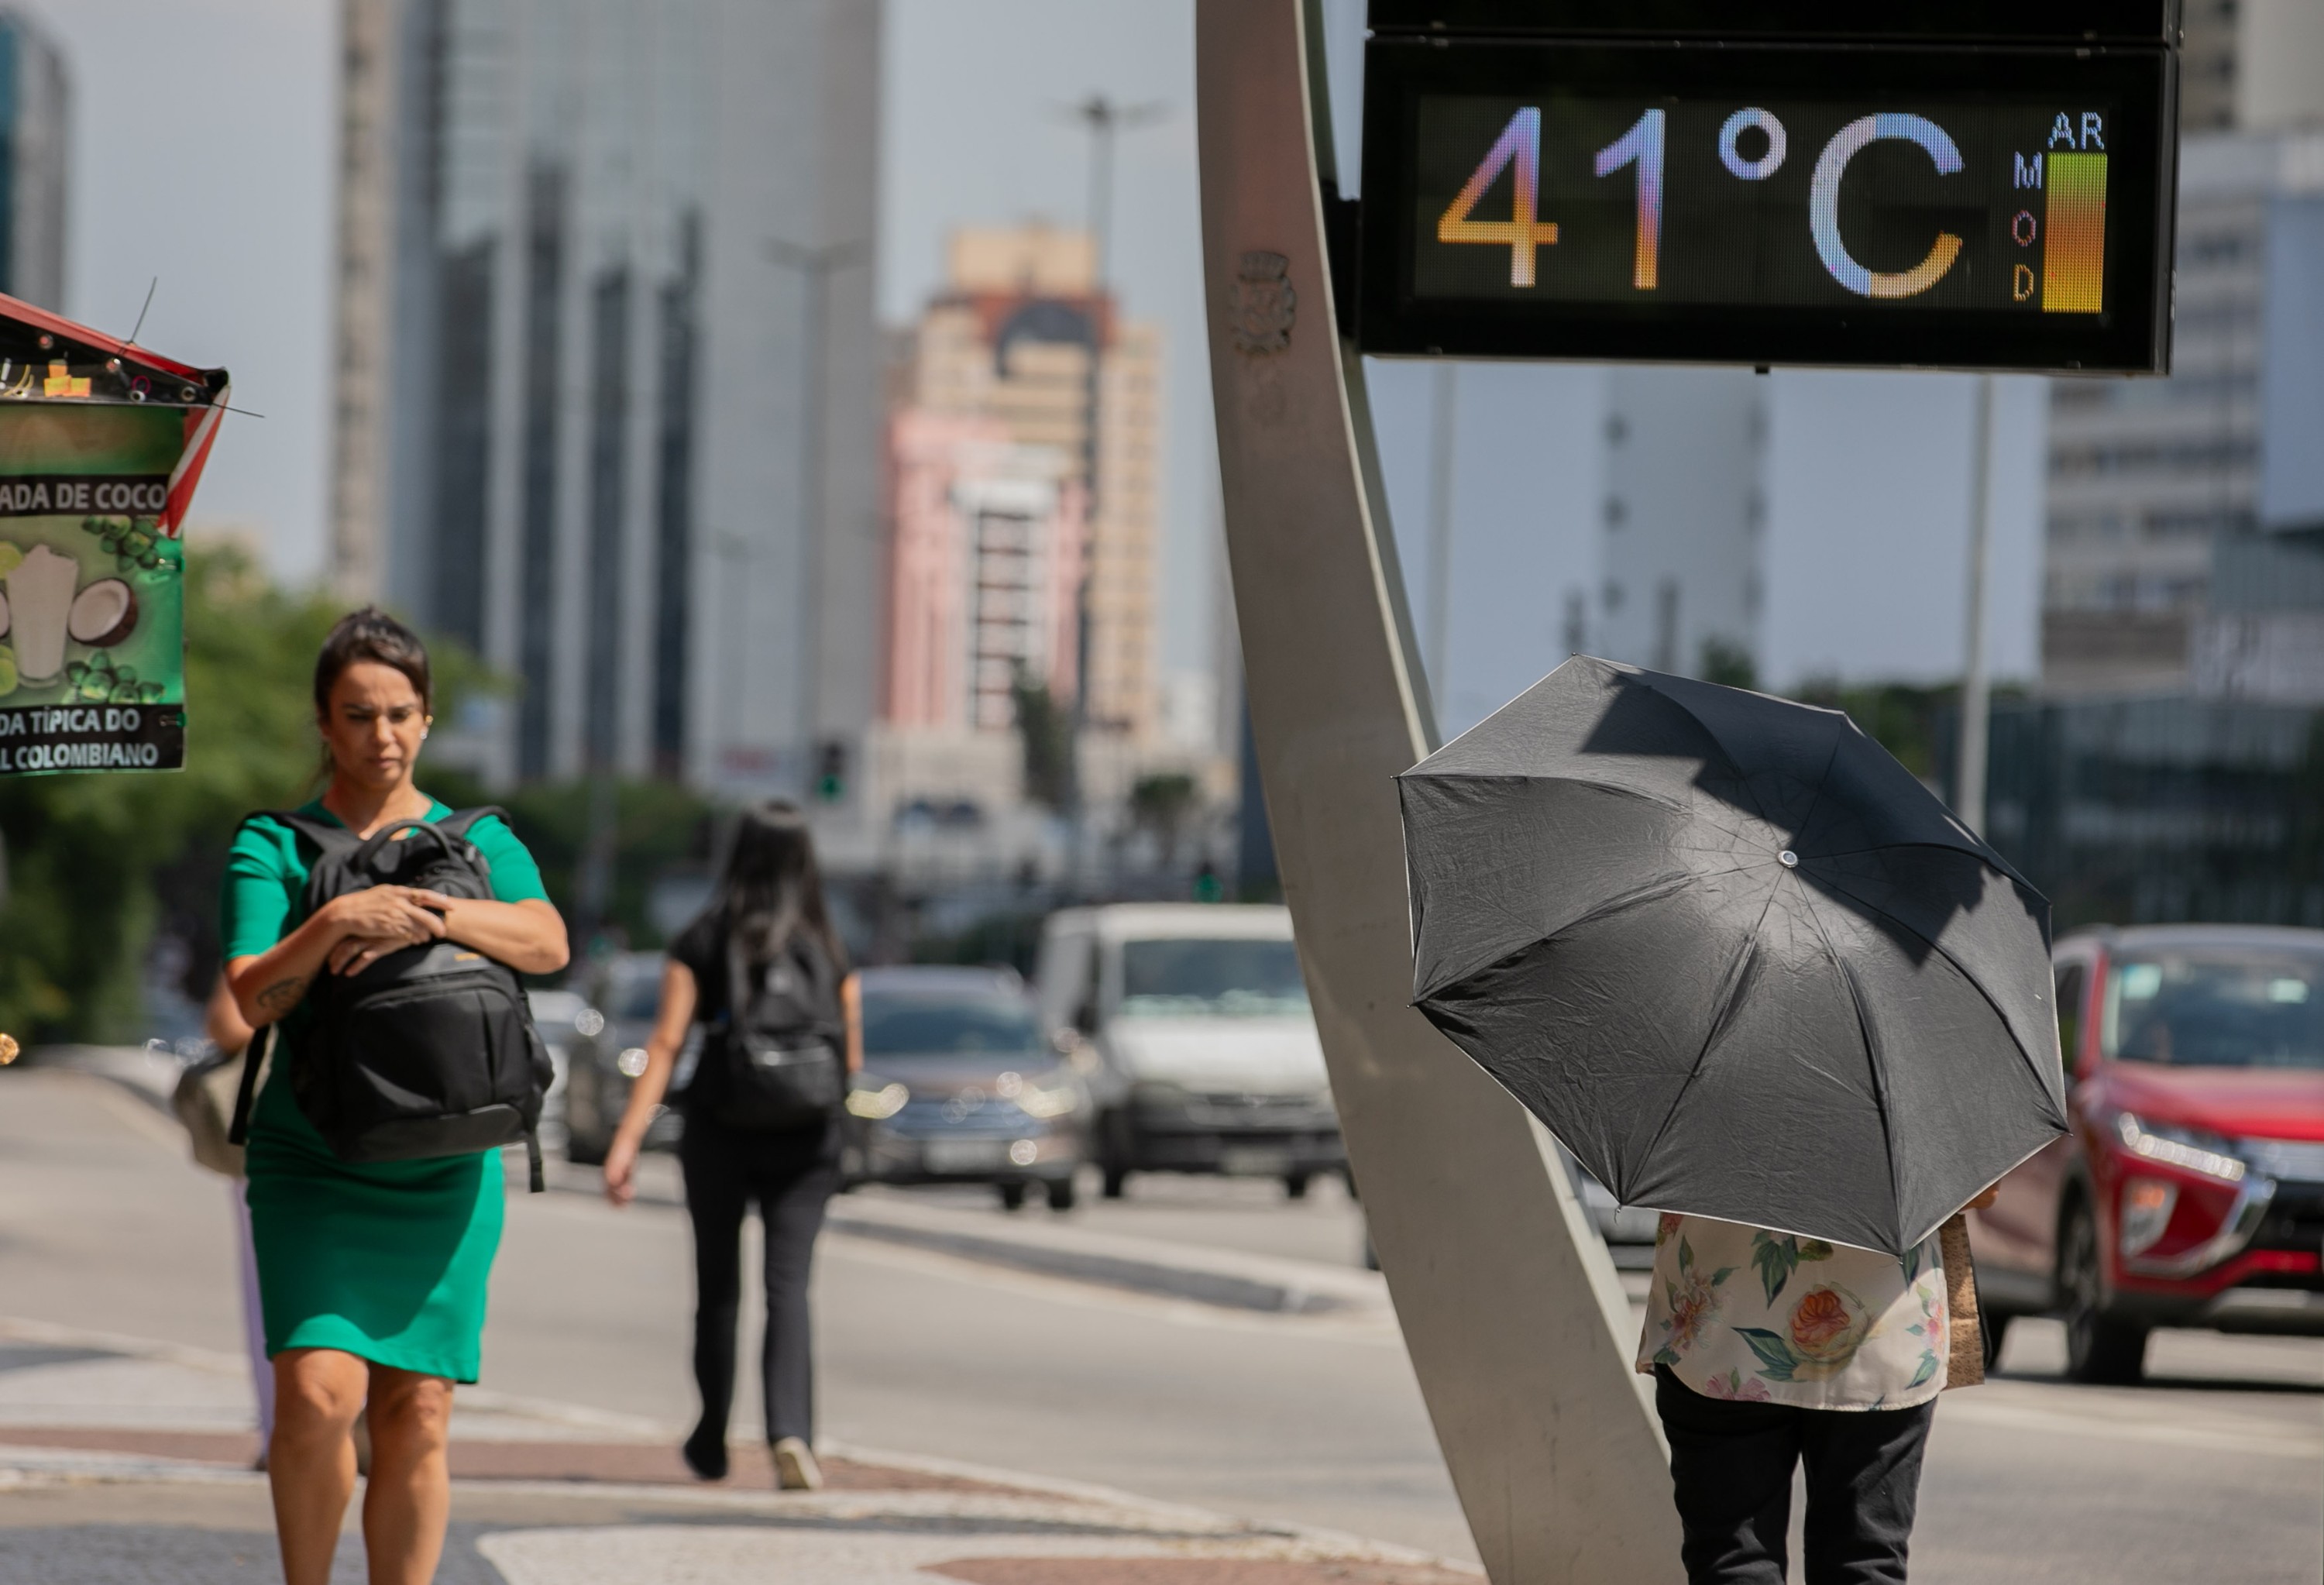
1208	1059
623	990
2191	1191
960	1083
561	1016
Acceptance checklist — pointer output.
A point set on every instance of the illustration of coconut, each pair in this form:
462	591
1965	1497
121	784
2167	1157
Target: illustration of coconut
40	603
103	615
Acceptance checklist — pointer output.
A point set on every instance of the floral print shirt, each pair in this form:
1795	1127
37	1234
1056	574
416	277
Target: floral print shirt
1759	1317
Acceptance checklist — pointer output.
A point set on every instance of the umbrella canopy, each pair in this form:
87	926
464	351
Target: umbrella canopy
1733	955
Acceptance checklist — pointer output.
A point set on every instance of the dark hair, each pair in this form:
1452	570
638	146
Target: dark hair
772	888
371	634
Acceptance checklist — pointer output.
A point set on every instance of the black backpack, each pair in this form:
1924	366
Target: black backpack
431	1050
779	1047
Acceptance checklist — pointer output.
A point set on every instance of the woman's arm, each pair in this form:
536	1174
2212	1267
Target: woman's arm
222	1019
381	918
529	936
679	996
850	1008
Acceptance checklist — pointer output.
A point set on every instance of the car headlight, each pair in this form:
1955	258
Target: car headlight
2146	1207
1035	1101
875	1105
2195	1149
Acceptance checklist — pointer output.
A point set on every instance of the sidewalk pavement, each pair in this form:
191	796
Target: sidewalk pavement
125	1461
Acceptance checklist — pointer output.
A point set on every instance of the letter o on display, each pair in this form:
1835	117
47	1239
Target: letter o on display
1767	164
1823	205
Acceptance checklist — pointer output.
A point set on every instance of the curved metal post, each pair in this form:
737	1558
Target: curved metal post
1510	1306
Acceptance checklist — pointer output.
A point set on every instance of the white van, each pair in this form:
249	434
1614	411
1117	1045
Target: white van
1208	1058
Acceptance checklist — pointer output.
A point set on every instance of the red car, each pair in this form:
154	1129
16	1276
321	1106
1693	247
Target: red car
2191	1191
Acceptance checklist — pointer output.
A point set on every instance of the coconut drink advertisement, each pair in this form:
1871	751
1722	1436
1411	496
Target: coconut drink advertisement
101	444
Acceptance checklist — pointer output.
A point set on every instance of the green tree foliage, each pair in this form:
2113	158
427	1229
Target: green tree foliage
1727	662
1161	803
1046	729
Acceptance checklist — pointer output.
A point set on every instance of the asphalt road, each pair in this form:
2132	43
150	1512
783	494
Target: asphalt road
2216	1470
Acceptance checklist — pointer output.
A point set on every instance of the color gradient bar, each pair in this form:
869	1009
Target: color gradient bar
2073	260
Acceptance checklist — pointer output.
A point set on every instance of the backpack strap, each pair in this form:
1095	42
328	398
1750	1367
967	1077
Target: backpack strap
252	1058
458	823
329	835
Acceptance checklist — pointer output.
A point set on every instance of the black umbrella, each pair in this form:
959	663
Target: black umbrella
1733	955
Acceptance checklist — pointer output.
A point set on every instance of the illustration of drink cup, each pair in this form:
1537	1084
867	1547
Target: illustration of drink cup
39	601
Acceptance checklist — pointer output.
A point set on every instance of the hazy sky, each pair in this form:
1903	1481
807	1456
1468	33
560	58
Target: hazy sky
228	202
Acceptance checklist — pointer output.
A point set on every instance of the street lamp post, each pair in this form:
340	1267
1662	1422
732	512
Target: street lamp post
815	267
1105	121
1968	783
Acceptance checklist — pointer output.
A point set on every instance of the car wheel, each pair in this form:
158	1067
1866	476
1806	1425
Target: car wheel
1061	1194
1116	1179
2101	1349
584	1151
1295	1184
1012	1197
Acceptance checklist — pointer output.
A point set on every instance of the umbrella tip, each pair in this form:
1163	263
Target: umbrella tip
1791	861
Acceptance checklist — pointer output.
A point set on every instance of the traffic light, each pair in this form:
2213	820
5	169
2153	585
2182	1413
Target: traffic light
830	770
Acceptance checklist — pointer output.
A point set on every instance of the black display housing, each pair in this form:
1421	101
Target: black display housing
2133	336
2127	22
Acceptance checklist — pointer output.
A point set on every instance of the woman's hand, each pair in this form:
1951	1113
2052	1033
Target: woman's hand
529	936
377	921
1992	1192
622	1169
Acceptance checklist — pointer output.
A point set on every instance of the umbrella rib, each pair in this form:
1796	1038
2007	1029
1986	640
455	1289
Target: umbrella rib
1871	1050
1733	993
1646	891
1725	752
2033	1066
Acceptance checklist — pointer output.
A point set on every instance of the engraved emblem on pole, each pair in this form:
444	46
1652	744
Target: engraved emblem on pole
1264	304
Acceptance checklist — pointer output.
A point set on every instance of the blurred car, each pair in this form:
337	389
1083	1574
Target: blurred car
623	990
2190	1190
961	1084
1208	1059
561	1016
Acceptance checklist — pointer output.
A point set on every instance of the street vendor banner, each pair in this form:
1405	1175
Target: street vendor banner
99	453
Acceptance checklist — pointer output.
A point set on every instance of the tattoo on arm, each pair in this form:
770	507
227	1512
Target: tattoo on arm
282	995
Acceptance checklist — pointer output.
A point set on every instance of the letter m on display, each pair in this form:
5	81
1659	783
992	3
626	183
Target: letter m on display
2029	171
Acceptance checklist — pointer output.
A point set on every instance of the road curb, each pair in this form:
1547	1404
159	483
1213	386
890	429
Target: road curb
1226	1278
1229	1279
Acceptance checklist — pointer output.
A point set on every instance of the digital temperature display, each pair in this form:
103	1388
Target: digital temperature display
2001	208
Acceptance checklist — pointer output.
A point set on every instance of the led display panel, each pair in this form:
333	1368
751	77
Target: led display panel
1764	203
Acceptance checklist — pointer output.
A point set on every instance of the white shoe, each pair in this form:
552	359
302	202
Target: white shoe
795	1466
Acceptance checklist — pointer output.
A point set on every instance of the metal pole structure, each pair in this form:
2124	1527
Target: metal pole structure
815	267
1510	1308
1443	441
1105	119
1968	783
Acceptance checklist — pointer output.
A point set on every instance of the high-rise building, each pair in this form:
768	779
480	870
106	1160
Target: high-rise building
35	113
2155	486
1022	337
1682	550
606	389
984	572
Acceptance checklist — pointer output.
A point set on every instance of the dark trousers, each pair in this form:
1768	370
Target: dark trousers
1731	1473
790	1178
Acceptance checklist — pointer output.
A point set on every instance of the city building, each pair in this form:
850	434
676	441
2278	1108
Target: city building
2166	497
1024	335
1681	552
984	572
35	115
606	388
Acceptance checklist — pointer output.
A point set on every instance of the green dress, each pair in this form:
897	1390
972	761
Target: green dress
387	1261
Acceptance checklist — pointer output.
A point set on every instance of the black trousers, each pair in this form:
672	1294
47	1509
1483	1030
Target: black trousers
1731	1473
790	1177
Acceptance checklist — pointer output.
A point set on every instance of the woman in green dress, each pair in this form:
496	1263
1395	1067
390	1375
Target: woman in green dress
371	1278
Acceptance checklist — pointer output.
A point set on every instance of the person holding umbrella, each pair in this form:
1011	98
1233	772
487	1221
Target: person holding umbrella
1756	977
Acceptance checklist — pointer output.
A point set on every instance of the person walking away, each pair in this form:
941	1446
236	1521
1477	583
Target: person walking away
1771	1352
372	1276
762	970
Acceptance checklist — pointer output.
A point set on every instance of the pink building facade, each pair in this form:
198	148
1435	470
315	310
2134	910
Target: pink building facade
987	543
